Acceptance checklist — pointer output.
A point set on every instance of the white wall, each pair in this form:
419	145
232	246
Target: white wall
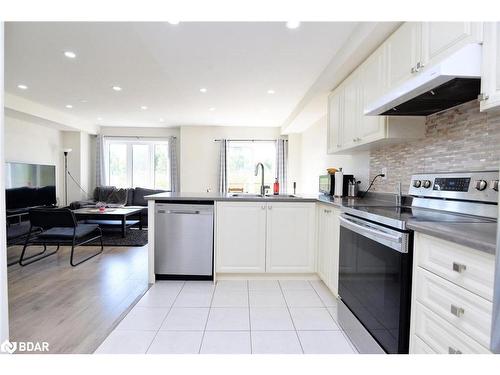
30	142
309	159
199	153
4	303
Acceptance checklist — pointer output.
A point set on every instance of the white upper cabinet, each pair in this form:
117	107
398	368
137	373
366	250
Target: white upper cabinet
291	229
490	82
403	50
372	84
350	119
441	39
241	237
335	106
411	49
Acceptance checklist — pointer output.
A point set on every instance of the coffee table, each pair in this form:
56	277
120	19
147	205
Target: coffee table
111	217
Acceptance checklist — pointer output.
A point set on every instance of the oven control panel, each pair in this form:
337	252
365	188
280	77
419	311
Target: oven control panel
451	184
470	186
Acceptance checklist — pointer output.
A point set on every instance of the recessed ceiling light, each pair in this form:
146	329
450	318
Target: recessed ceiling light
173	22
271	91
211	109
203	90
22	87
99	119
161	120
117	88
84	101
293	24
69	106
143	107
70	54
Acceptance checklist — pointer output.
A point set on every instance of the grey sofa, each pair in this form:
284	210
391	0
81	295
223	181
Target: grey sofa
114	196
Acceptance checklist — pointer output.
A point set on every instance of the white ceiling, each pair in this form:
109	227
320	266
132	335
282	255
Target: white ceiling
163	66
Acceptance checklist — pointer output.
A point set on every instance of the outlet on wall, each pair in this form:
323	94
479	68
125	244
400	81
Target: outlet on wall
384	171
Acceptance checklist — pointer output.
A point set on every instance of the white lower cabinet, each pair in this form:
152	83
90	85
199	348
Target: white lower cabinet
451	298
328	247
290	237
241	237
257	237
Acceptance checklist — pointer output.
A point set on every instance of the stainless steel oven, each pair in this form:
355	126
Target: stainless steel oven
375	279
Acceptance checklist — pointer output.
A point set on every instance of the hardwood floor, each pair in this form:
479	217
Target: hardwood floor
74	308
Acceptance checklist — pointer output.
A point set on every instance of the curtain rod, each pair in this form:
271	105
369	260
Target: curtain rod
250	140
137	136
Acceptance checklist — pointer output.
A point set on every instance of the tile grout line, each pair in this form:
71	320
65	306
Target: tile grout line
249	318
208	317
337	323
170	309
291	318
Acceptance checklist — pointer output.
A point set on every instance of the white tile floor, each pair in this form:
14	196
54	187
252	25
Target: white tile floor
234	317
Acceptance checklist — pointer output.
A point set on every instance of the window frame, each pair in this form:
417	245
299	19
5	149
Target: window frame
130	142
250	141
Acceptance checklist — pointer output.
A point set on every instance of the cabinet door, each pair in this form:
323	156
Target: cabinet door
402	50
290	237
371	85
324	242
334	228
241	237
350	118
334	125
441	39
490	80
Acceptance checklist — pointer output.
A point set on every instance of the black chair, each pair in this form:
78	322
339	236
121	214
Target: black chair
59	227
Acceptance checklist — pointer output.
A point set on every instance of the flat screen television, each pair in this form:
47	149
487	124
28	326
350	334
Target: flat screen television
28	185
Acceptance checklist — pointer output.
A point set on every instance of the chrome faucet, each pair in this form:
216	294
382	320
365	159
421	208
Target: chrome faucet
262	186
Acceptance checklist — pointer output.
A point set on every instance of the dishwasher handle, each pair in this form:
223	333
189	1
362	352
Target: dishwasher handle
179	212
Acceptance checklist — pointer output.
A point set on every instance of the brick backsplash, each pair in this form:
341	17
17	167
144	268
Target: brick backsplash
459	139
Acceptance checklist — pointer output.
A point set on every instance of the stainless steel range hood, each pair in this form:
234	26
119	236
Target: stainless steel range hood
453	81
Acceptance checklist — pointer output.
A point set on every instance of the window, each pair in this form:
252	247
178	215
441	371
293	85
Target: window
242	157
133	163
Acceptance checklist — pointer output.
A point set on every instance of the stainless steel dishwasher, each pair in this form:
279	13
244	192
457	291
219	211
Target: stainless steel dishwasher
184	240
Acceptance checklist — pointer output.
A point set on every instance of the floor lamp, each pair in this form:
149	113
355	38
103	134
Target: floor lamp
66	152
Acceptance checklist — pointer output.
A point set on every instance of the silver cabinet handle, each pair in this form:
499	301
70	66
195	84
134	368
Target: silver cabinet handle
457	311
458	267
263	207
452	350
269	207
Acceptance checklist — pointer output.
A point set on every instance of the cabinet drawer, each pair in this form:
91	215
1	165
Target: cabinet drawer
420	347
472	269
441	336
463	309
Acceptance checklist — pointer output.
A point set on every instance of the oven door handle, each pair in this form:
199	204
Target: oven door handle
397	242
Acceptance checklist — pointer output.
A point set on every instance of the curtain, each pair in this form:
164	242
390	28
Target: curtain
174	165
223	166
100	168
282	163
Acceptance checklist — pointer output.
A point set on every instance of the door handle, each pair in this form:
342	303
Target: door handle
457	311
457	267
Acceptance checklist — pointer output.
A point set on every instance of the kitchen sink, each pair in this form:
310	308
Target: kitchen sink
244	195
267	196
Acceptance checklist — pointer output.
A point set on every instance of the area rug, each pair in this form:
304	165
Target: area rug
134	237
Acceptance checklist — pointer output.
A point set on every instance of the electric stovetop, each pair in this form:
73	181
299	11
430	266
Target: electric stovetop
398	216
